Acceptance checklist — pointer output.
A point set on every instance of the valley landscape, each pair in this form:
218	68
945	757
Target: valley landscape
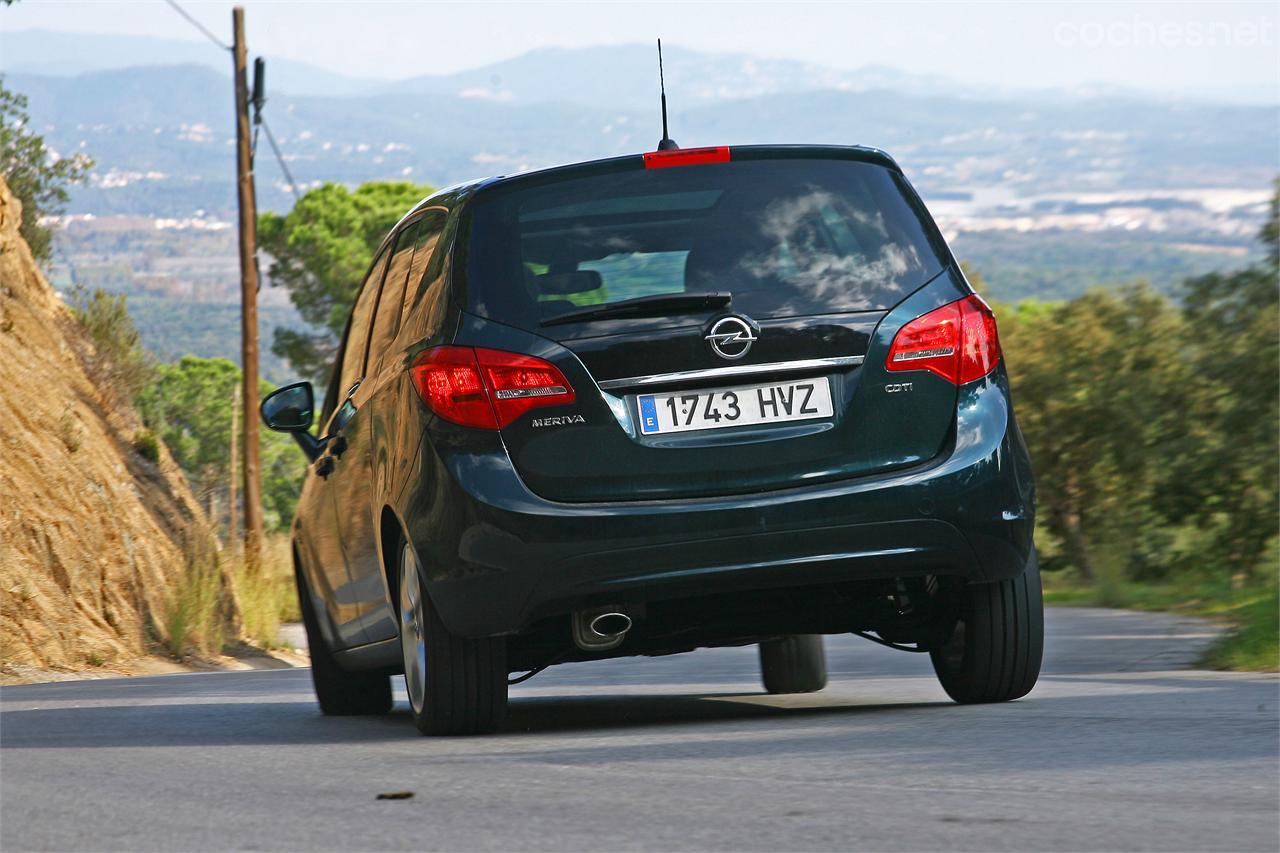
1045	193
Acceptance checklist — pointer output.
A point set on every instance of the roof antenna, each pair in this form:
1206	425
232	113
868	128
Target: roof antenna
666	143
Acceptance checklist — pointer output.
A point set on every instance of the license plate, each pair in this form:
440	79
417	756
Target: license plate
741	405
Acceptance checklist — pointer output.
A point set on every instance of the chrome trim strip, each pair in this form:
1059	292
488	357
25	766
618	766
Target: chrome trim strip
736	370
541	391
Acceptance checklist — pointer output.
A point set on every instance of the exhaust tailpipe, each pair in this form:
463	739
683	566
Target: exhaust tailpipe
610	625
601	629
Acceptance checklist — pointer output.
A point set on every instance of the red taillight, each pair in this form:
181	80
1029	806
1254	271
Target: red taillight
519	383
686	157
448	380
486	388
957	341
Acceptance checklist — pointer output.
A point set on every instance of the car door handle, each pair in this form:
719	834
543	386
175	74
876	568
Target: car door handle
325	466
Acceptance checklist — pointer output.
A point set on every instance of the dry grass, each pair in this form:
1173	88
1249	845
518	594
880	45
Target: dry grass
269	598
217	600
195	617
71	431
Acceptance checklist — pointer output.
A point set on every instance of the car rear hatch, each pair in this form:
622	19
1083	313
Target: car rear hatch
712	319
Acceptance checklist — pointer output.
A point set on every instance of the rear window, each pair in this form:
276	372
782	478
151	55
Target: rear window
785	237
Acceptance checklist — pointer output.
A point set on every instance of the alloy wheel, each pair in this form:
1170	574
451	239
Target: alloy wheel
413	629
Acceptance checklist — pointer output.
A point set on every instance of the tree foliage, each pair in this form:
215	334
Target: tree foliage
189	405
1235	322
320	252
34	172
1152	424
1101	390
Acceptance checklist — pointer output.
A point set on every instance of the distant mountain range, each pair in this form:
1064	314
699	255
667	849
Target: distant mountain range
62	54
626	77
606	77
161	133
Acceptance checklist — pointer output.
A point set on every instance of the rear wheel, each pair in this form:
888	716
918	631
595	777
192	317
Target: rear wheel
456	685
341	693
994	652
794	664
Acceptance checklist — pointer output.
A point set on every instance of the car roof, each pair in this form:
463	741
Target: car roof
736	153
586	168
464	190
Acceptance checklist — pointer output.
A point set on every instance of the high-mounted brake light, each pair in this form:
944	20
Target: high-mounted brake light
686	157
485	388
957	342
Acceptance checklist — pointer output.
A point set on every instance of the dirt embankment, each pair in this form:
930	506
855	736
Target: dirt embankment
91	533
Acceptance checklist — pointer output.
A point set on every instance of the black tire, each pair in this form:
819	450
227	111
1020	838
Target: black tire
994	652
456	685
794	664
341	693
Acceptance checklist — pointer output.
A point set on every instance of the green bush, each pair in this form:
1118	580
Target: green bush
1252	644
119	364
147	445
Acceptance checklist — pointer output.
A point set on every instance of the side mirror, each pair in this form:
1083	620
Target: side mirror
289	409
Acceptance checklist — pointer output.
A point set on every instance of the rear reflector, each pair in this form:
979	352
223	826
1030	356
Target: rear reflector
686	157
485	388
957	342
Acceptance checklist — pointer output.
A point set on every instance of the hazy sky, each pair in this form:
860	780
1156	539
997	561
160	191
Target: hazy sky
1222	50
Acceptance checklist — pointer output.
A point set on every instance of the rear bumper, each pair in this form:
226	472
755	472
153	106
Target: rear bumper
501	557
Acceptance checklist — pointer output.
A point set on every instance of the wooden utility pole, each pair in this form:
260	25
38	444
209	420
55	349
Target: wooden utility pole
248	302
233	505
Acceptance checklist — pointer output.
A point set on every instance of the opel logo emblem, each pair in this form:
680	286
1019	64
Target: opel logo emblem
731	337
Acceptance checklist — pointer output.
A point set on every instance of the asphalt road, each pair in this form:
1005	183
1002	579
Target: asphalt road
1117	748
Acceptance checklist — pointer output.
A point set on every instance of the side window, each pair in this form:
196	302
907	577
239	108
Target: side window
387	321
358	332
424	302
431	227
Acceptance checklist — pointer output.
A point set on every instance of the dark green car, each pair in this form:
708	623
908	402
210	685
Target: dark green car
643	405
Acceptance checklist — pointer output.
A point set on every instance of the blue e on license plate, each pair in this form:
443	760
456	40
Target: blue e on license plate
740	405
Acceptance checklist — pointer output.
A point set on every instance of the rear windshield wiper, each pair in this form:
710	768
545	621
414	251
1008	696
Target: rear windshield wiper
644	306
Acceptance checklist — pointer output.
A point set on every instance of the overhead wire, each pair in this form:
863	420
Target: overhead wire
199	26
293	185
275	147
